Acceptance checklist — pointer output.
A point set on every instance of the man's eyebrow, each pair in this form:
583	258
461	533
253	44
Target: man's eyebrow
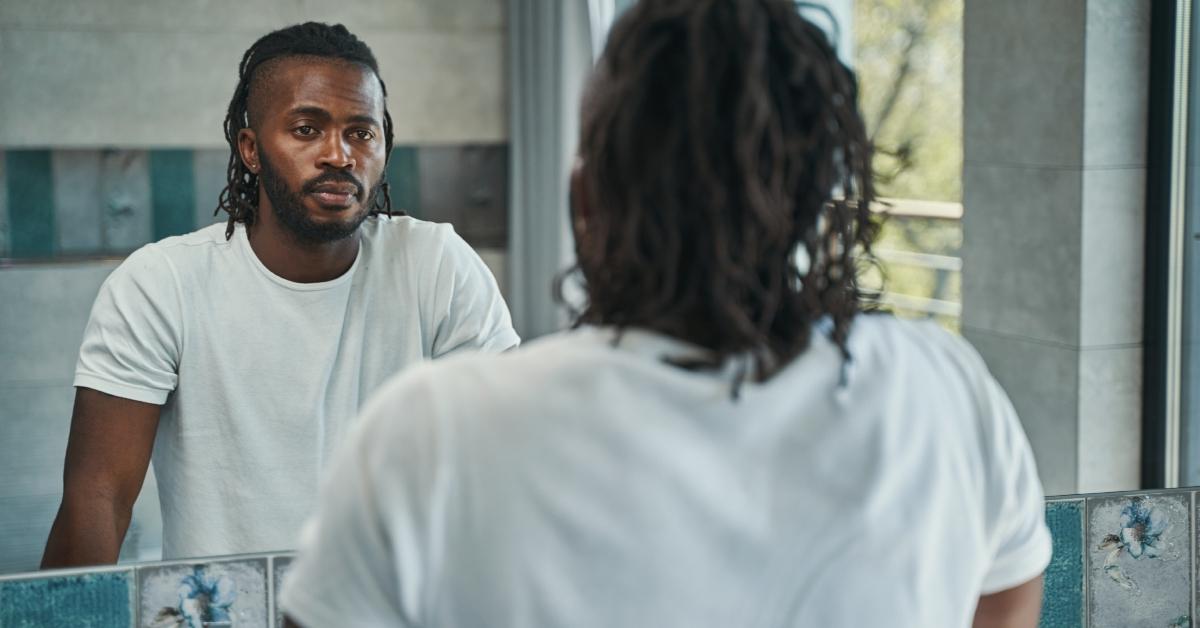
363	118
315	112
318	112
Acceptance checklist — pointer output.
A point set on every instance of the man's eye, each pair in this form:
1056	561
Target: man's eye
305	130
364	134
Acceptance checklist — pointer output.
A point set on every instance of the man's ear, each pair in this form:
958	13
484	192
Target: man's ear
248	149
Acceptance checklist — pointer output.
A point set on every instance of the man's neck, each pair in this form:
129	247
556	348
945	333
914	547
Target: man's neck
288	257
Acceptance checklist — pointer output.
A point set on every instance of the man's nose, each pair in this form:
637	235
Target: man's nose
336	153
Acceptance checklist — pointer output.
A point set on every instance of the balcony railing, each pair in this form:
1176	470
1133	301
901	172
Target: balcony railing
919	282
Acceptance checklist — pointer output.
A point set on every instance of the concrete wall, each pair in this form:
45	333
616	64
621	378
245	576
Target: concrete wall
135	73
97	88
1055	101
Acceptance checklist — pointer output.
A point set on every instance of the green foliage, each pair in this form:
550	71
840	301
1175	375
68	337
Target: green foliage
908	56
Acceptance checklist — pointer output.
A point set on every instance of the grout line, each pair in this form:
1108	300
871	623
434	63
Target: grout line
271	592
1050	343
1085	566
1052	167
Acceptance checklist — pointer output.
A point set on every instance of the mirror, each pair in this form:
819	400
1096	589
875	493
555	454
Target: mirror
110	125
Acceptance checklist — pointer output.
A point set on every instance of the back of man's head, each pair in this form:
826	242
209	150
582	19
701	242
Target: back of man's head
724	183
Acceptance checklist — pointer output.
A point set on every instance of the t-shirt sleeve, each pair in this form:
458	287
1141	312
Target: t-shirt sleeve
132	341
471	314
362	558
1019	541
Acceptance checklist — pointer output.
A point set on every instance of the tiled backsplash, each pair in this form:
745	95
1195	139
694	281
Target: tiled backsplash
1120	559
78	203
231	591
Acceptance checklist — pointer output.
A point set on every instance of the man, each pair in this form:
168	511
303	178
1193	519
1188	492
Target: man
725	440
240	353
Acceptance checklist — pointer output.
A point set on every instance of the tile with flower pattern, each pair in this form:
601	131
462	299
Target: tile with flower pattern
216	594
1139	558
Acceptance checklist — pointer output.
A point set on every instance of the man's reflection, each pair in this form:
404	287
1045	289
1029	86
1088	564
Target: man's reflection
239	353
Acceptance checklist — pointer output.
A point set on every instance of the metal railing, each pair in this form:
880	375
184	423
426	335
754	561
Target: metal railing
937	303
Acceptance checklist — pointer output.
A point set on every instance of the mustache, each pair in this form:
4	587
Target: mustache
310	186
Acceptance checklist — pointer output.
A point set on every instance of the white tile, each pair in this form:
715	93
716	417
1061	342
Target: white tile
1116	92
128	89
127	215
43	311
1113	257
34	422
368	17
263	15
1021	259
77	200
1023	82
445	89
210	168
160	89
1110	419
1041	380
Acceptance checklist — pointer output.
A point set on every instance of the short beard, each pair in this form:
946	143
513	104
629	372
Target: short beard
288	207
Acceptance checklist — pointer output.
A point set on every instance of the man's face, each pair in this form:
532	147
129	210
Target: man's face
316	139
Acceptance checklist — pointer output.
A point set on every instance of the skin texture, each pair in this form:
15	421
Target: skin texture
107	455
1018	607
313	120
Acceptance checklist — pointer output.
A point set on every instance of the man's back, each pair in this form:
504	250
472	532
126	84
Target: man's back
585	483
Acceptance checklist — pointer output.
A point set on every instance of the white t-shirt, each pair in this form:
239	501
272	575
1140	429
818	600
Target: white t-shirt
260	378
577	483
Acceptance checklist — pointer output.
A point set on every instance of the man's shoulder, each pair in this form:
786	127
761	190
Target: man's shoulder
393	231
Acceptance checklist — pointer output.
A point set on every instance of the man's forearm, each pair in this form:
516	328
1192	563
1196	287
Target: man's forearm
86	532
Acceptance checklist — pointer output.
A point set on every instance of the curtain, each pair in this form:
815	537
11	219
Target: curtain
550	54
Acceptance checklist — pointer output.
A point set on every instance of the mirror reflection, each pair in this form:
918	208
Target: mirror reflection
218	239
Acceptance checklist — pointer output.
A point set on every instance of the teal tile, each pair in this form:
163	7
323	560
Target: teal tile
404	178
4	227
94	600
30	203
1062	593
172	192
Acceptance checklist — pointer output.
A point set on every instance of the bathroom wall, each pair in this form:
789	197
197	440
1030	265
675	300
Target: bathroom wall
111	137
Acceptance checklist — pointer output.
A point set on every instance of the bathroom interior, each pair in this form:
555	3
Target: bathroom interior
1039	198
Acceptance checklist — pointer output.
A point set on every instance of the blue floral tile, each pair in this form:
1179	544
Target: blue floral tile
92	600
279	568
1139	551
218	594
1062	597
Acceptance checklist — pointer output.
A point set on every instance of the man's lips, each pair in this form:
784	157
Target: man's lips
335	194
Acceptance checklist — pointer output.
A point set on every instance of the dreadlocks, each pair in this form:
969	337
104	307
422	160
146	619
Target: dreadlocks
240	197
728	169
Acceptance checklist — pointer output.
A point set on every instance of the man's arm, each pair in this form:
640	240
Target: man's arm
107	455
1018	607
